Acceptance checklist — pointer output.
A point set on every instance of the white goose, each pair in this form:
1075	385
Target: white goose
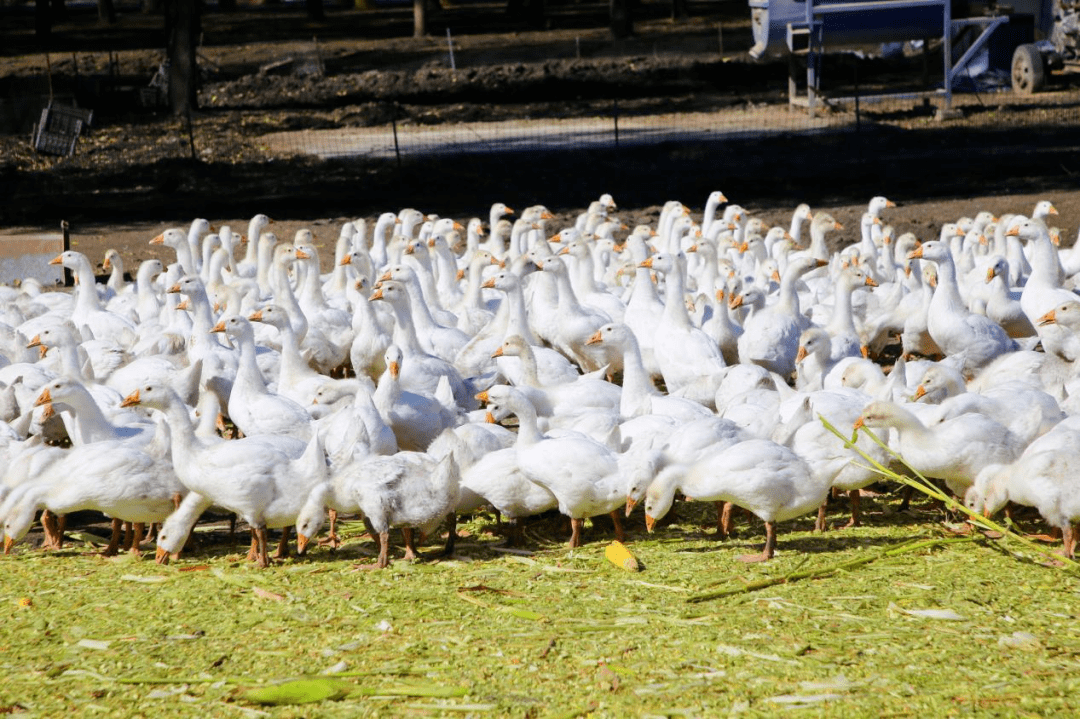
410	490
256	477
251	406
764	477
953	328
581	473
955	450
639	397
416	419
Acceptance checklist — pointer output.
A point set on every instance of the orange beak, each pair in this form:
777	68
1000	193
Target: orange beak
385	277
1013	232
301	543
646	263
159	240
483	397
650	522
870	281
802	354
131	400
630	504
920	392
174	288
991	274
301	255
489	418
915	254
255	316
859	424
735	301
36	342
58	260
8	544
595	338
1048	319
489	284
376	295
346	260
44	398
106	264
395	370
161	556
219	327
498	353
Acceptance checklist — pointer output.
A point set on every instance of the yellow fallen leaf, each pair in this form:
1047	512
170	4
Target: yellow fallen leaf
620	556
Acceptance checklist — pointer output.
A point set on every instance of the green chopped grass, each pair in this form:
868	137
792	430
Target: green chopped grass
894	618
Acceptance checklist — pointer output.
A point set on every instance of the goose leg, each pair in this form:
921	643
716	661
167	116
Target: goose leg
620	531
114	542
576	525
724	521
819	525
128	535
856	506
375	536
253	551
54	529
451	534
136	538
264	552
384	549
332	539
770	546
283	546
409	536
1068	539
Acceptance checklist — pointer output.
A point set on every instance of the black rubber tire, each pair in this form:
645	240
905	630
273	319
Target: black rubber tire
1028	74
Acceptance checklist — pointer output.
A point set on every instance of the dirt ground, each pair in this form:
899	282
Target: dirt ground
921	216
136	171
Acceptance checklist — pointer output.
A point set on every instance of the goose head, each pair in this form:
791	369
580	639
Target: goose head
391	291
933	251
512	346
393	358
1067	314
877	204
272	315
235	327
814	342
171	237
71	260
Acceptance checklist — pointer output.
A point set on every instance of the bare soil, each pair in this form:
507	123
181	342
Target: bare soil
137	170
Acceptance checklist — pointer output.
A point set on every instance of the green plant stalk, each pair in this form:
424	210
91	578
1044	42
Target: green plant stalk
923	485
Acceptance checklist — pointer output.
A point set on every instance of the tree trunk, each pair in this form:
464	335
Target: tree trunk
315	9
42	19
106	11
622	23
181	34
420	15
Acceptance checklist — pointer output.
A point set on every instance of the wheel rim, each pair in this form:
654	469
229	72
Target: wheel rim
1022	75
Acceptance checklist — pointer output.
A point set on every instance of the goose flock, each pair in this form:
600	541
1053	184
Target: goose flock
691	358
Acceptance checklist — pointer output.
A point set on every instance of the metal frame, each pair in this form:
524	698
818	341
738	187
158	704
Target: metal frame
813	31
